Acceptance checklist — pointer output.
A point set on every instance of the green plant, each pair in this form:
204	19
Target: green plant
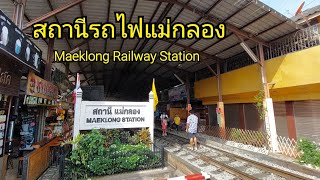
111	135
91	157
124	137
74	172
87	148
259	98
135	139
310	153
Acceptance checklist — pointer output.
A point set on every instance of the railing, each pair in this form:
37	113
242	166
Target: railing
247	137
64	153
288	147
259	139
302	39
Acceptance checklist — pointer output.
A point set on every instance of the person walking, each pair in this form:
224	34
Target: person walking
191	129
162	116
164	125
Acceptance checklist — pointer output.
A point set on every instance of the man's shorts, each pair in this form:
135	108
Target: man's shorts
192	135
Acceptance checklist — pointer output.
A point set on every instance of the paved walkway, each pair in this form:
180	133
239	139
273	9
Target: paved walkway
52	173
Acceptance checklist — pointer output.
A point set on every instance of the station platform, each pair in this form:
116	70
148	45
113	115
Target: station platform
220	160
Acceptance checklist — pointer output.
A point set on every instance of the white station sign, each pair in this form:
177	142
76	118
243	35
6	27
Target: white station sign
110	115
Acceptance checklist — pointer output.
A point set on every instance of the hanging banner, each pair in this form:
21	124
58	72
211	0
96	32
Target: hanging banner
39	87
18	45
9	77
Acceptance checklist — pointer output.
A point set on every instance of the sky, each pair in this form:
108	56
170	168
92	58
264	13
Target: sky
289	7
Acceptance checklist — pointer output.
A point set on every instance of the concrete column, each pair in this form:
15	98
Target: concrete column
291	123
269	120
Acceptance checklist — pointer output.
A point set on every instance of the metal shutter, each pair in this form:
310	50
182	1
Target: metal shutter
307	117
231	113
252	121
281	118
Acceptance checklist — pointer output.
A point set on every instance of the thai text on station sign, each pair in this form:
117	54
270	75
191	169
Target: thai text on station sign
115	114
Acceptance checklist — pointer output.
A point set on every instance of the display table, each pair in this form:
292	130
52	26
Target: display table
37	161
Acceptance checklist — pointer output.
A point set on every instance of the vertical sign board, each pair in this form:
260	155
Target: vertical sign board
14	42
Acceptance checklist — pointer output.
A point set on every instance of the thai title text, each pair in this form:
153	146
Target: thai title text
80	29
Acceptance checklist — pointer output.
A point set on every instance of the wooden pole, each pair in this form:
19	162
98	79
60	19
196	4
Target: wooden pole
18	12
52	13
47	71
188	92
220	105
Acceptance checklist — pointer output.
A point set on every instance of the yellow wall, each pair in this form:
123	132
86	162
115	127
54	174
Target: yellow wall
296	76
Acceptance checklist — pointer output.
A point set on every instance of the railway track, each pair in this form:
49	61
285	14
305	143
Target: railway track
220	164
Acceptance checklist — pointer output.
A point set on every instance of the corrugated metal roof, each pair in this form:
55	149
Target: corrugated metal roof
250	16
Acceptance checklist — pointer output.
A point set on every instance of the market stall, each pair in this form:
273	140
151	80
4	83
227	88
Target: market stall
18	55
40	99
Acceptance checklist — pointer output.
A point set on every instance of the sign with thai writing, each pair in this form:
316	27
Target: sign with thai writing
39	87
9	77
32	100
18	45
109	115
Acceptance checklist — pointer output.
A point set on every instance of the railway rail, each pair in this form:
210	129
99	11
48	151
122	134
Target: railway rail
229	166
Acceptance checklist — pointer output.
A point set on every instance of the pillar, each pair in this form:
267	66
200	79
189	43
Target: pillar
220	105
151	116
48	68
269	120
18	12
291	124
188	93
77	112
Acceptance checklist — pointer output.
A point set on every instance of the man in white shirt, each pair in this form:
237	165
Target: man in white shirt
191	129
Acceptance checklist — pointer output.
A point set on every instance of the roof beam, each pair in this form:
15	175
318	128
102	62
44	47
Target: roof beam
248	24
52	13
266	30
51	7
108	17
239	10
214	20
121	46
158	39
162	16
248	50
188	48
88	45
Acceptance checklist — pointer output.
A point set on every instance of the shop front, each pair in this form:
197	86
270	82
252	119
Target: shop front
9	88
18	55
40	102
